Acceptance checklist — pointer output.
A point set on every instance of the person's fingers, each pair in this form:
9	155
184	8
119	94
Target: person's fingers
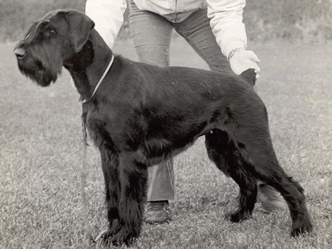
251	55
257	69
254	58
243	60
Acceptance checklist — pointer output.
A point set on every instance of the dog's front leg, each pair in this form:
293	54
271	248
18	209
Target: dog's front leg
133	178
110	165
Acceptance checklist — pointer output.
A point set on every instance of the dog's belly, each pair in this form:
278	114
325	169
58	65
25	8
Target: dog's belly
157	149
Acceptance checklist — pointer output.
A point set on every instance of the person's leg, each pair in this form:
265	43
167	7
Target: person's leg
269	198
196	30
151	35
198	33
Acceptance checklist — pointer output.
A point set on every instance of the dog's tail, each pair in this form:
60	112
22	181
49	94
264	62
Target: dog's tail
249	75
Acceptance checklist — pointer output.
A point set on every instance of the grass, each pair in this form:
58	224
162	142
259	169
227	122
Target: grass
41	155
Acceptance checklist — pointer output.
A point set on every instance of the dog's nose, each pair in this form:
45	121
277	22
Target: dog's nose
20	53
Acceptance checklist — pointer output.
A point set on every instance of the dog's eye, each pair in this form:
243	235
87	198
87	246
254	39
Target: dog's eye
49	32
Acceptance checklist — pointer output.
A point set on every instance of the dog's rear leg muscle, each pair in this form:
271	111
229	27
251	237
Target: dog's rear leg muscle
227	158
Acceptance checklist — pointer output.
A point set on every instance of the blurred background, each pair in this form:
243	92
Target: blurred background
293	20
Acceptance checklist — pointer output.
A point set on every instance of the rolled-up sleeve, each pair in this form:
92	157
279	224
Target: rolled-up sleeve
226	20
107	16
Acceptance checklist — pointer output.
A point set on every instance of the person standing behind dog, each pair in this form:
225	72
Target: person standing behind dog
214	29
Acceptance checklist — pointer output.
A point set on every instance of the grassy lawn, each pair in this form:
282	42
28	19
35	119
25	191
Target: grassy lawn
41	155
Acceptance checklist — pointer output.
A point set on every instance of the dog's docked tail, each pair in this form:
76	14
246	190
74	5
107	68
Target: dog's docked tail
250	76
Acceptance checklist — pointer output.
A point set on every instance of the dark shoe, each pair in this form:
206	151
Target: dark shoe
157	212
269	198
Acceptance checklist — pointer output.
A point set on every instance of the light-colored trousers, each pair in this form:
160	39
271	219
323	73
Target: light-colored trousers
151	34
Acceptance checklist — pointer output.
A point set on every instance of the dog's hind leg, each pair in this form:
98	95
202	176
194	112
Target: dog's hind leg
255	146
133	178
225	155
267	169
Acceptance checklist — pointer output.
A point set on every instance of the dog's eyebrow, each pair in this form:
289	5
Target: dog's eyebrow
31	30
43	24
35	28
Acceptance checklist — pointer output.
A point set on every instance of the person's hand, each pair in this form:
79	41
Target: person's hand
242	60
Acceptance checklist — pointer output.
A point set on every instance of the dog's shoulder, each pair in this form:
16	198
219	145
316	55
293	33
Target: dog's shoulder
125	66
128	64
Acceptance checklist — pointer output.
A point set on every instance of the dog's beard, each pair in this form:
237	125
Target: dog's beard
39	70
38	74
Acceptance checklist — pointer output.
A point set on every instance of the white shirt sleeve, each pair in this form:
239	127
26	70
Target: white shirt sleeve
107	16
226	20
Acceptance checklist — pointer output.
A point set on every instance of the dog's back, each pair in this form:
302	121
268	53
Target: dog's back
173	80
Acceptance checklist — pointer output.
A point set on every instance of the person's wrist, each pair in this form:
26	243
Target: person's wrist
233	52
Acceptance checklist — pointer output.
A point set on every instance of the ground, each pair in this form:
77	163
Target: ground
41	157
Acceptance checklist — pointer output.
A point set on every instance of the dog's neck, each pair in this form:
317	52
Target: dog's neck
87	66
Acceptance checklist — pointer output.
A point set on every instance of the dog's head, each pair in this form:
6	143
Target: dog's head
49	42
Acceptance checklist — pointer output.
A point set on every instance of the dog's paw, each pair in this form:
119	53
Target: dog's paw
117	236
104	236
122	237
301	226
304	230
238	216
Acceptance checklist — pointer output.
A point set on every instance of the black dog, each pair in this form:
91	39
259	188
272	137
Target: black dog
140	114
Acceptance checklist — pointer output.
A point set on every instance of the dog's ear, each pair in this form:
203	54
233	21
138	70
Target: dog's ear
80	26
249	75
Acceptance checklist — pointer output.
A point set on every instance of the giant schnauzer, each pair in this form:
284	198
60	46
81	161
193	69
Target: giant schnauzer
138	115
